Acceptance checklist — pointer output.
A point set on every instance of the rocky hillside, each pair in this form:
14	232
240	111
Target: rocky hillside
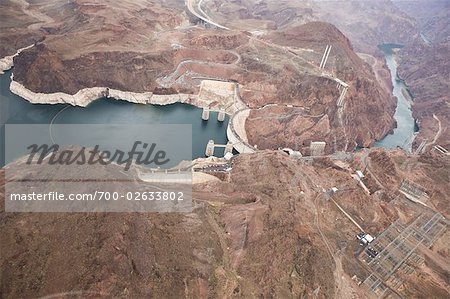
422	26
315	115
431	17
132	47
16	32
267	229
136	48
221	249
366	23
425	68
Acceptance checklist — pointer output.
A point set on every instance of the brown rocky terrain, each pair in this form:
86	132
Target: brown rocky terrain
164	53
15	33
368	24
271	227
266	229
295	127
431	16
218	250
91	44
426	71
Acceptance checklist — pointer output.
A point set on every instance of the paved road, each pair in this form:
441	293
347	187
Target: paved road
366	165
190	5
438	133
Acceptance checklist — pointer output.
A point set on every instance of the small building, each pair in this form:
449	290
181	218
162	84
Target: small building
364	238
369	238
228	156
360	174
334	189
291	152
317	148
371	252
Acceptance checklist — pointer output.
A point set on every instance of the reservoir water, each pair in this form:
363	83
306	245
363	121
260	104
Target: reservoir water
15	110
404	134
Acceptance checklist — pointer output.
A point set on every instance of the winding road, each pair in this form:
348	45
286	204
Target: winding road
170	79
190	5
438	133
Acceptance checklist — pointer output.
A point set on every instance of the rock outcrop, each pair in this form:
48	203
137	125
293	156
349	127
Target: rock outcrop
307	103
266	230
85	96
7	62
425	68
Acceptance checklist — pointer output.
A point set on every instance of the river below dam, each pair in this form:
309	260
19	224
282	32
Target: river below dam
404	133
15	110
